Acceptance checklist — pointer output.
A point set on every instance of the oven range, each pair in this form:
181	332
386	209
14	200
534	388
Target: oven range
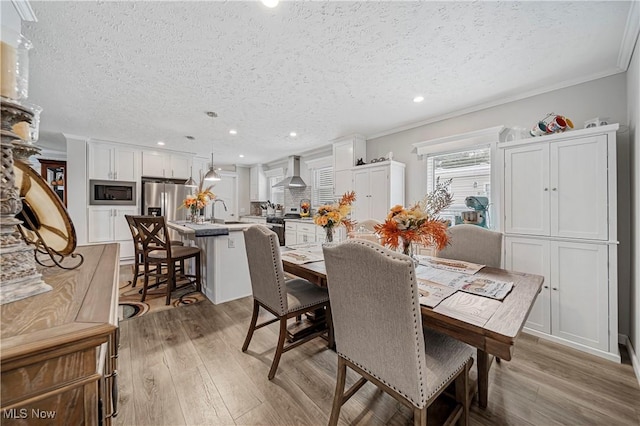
276	223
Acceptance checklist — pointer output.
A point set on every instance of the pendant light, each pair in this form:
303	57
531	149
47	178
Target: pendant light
212	174
190	183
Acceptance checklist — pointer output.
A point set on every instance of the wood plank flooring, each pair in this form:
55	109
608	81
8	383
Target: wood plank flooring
184	366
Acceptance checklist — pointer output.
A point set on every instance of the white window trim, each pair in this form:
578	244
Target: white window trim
490	136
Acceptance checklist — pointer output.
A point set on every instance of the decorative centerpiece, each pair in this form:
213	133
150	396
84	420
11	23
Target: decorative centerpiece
331	215
418	224
199	201
305	208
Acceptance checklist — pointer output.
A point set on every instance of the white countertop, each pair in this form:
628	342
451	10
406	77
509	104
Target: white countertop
207	229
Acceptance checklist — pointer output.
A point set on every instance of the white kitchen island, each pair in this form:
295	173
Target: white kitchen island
225	271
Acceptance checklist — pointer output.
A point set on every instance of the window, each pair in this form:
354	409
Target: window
276	194
322	186
470	171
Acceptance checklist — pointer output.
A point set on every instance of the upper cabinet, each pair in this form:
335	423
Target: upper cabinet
558	189
346	152
113	162
258	188
378	187
163	164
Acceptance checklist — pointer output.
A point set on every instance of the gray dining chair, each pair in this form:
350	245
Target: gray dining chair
284	299
474	244
379	334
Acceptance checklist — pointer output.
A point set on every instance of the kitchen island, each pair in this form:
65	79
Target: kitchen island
225	271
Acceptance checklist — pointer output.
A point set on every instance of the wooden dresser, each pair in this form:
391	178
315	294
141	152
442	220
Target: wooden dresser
59	349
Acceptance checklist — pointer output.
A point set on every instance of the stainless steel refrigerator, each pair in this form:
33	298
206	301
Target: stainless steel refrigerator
164	198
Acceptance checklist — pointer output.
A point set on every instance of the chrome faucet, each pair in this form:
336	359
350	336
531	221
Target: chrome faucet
213	209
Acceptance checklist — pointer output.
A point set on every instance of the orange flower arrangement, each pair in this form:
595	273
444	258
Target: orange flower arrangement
418	224
200	200
330	215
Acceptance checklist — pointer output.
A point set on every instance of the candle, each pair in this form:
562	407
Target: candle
8	64
22	130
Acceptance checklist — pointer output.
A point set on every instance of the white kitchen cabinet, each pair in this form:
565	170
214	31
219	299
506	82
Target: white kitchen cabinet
163	164
378	187
346	152
573	303
108	224
113	162
558	189
258	189
305	231
559	212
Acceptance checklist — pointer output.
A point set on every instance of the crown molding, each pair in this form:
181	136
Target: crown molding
23	7
630	36
499	101
490	135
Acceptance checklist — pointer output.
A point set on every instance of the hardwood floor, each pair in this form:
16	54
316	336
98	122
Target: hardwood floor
184	367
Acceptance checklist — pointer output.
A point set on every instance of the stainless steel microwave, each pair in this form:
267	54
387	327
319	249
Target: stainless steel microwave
112	192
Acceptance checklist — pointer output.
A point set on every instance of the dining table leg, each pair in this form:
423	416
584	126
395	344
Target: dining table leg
484	363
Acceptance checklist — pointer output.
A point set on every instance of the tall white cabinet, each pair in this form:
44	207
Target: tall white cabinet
378	187
346	152
559	216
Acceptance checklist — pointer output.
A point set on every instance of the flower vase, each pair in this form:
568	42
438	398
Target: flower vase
329	234
194	215
407	248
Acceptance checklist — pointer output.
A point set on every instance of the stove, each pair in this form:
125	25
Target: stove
276	223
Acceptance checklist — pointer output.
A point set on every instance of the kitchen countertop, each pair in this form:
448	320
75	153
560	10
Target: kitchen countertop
207	229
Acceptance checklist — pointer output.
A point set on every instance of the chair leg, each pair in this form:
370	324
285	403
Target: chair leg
339	392
146	281
136	271
279	348
331	339
420	416
171	280
252	326
462	394
198	273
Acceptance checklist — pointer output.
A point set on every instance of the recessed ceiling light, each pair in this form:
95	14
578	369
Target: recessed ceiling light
241	155
293	134
233	132
418	99
160	143
270	3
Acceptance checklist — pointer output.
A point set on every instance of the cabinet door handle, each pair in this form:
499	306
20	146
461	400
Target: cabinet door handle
555	288
546	189
546	286
115	175
554	189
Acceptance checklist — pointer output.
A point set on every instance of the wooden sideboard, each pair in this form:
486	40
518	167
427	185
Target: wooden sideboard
58	350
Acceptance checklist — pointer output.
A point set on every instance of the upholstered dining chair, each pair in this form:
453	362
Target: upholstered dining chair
284	299
368	224
379	334
168	259
474	244
138	252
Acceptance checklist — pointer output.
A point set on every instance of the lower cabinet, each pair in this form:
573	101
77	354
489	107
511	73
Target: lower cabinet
574	302
108	224
300	232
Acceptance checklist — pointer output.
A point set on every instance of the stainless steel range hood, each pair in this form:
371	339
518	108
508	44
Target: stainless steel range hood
293	179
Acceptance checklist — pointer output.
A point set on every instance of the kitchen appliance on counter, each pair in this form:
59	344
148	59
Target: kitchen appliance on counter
164	198
477	216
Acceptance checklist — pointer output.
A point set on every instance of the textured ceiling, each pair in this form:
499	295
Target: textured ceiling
140	72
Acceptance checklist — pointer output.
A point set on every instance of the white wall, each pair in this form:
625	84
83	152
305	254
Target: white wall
633	107
77	185
605	97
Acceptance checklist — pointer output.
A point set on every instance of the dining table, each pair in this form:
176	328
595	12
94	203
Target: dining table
490	325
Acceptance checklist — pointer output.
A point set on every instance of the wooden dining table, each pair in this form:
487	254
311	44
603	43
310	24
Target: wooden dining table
489	325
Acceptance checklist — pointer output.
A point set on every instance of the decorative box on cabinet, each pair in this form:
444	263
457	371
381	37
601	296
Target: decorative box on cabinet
378	187
258	189
59	349
108	224
113	162
163	164
346	152
559	210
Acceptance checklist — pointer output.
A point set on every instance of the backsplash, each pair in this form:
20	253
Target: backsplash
293	196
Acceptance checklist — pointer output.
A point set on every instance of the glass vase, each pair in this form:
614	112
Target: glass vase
329	234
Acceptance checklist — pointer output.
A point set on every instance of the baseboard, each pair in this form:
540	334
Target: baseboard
624	340
611	356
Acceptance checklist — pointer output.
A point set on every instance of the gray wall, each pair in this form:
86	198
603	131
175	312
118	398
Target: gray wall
605	97
633	102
